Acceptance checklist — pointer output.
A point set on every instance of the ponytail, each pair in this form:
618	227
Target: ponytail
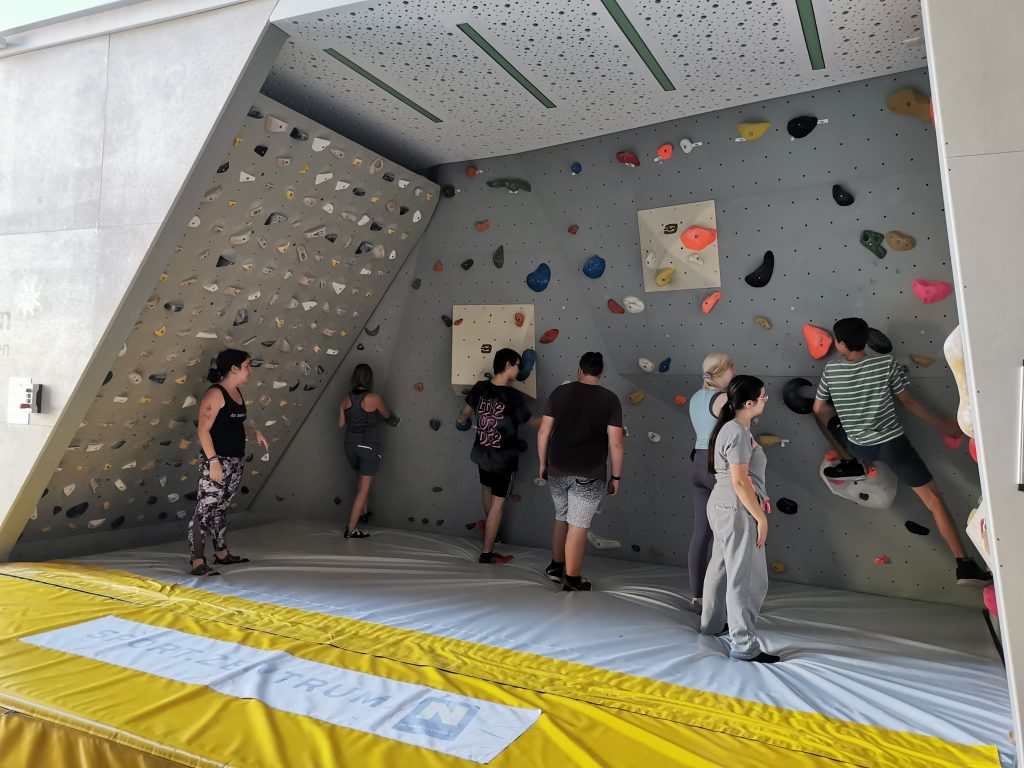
226	360
740	390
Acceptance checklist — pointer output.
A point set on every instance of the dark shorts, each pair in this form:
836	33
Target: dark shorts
500	483
364	459
897	454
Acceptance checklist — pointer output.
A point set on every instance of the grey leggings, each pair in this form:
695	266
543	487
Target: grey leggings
700	541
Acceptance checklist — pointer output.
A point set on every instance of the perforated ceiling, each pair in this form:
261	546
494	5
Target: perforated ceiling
716	53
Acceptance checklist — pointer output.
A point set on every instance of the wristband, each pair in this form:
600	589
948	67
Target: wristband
215	459
614	477
463	427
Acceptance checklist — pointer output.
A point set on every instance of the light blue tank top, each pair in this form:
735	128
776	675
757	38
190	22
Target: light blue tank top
701	417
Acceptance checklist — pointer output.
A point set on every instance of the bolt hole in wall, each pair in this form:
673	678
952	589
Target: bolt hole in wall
773	193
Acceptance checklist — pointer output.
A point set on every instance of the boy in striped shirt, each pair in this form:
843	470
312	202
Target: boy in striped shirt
861	390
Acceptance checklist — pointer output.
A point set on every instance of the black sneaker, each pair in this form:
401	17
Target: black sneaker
494	558
970	574
764	658
203	570
845	468
356	534
555	571
580	585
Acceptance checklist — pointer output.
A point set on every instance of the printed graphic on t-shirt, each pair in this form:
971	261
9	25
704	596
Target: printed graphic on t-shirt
490	414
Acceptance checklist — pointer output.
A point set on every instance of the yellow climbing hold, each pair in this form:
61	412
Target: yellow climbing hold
184	444
283	403
289	194
163	277
335	263
181	380
160	331
665	276
304	169
778	566
764	322
769	440
238	141
145	400
752	131
636	396
923	360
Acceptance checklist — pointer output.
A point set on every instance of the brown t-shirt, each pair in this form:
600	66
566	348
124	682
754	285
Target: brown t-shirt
578	445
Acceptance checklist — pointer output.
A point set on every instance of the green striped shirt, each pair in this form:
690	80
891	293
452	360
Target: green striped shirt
862	394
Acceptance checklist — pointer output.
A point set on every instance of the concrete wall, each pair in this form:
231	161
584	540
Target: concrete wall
770	194
101	136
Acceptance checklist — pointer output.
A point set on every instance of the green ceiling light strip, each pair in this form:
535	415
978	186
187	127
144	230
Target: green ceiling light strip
381	84
504	63
620	18
810	27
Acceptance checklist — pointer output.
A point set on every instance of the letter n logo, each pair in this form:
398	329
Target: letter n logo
438	718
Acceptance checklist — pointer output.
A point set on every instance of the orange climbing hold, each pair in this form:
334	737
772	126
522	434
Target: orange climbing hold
472	170
680	399
819	342
973	448
548	336
419	386
882	560
665	152
482	226
438	266
698	238
458	322
520	319
709	302
832	456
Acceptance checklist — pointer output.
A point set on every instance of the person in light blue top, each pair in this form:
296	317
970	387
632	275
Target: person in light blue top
705	405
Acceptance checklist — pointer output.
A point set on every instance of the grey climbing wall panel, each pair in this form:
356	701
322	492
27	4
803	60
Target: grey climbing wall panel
293	246
772	193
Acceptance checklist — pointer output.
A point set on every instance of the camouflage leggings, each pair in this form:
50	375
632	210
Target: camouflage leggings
211	515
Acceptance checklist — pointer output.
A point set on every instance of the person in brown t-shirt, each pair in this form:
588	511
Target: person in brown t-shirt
582	424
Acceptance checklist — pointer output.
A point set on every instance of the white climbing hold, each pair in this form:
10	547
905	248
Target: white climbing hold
319	145
274	125
416	216
645	365
308	305
255	295
311	234
633	305
245	177
341	185
651	260
93	524
363	220
265	457
338	287
189	402
328	207
322	177
338	153
69	489
240	238
194	222
280	384
654	437
599	542
403	183
120	485
688	146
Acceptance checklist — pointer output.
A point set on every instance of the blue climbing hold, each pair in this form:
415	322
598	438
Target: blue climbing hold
576	169
593	267
664	365
540	277
529	360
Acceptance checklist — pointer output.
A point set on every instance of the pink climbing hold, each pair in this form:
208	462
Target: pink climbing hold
973	448
988	597
882	560
952	442
931	291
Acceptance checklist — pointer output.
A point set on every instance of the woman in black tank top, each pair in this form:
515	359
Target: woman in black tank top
362	410
222	432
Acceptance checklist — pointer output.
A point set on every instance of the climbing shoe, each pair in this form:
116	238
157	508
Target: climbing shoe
494	558
576	584
356	534
764	658
230	560
203	570
555	571
845	468
970	574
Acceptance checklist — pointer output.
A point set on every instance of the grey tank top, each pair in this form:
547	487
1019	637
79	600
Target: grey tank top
360	426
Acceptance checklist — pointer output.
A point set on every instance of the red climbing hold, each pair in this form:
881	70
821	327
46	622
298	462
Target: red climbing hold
482	226
520	319
698	238
882	560
819	342
615	307
709	302
458	322
419	386
931	291
680	399
548	336
472	170
953	442
973	448
832	456
438	266
573	229
628	158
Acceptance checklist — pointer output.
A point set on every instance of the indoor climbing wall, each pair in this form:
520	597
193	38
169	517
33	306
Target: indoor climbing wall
772	192
297	238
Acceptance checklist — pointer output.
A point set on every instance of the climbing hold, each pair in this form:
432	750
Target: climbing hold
273	125
680	399
972	448
538	279
512	185
415	284
636	396
633	305
664	153
373	331
549	335
628	159
615	308
770	441
645	365
882	560
526	366
664	365
418	386
466	264
298	135
472	170
759	277
446	320
594	267
778	566
520	319
792	398
786	506
899	241
698	238
575	169
841	196
879	342
275	218
482	226
953	442
435	424
709	301
78	510
498	257
922	360
953	349
665	276
764	322
799	127
654	437
438	266
931	291
241	317
752	131
573	229
873	242
916	528
818	341
907	101
599	542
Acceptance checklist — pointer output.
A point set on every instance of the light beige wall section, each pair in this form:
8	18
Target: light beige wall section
99	139
978	95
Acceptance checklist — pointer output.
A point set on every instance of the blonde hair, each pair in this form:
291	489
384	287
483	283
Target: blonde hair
714	364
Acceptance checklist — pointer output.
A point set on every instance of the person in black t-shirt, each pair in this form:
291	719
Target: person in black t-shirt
499	410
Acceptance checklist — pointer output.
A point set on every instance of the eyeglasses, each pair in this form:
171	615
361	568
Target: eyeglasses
763	397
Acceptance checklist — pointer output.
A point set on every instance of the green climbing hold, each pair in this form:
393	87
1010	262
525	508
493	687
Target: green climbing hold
499	257
512	185
873	242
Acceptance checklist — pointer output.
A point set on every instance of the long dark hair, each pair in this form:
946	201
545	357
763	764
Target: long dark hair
225	361
362	378
740	390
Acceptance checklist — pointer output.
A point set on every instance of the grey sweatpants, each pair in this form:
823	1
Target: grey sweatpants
737	577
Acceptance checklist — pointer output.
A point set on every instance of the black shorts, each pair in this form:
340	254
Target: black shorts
897	454
500	483
364	459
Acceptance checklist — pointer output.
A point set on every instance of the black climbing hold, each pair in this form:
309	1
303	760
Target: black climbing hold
162	516
279	498
879	342
78	510
241	318
320	370
294	386
446	320
416	284
635	547
759	277
437	489
331	237
425	521
255	113
308	387
786	506
117	445
799	127
174	306
364	247
152	500
470	526
375	227
275	218
466	264
337	500
873	242
916	528
796	402
165	443
448	190
440	522
224	261
298	135
117	522
435	424
224	168
499	257
373	331
255	362
260	150
107	378
268	343
841	196
58	510
158	378
361	347
403	210
244	489
388	177
45	492
192	495
863	496
358	191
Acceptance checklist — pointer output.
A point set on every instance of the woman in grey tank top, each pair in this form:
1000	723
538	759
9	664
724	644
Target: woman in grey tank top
362	411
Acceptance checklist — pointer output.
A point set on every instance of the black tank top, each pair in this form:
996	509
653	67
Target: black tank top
228	430
360	426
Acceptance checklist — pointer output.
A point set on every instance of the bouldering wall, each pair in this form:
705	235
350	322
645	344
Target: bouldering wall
297	238
773	193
